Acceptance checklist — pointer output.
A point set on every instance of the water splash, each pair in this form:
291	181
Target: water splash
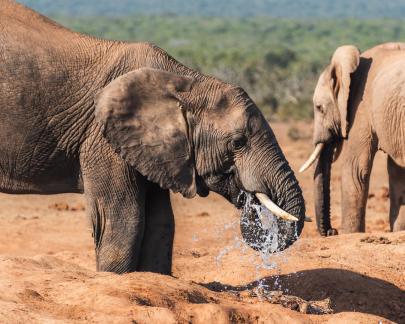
237	244
266	234
261	226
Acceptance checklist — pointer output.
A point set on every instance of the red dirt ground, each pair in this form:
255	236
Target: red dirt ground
47	265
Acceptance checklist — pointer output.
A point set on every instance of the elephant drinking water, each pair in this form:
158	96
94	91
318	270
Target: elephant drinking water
124	123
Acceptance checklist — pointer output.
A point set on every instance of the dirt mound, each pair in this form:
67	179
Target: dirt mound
47	287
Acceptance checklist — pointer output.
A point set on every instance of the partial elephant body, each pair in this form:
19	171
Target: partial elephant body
48	78
376	121
125	123
388	103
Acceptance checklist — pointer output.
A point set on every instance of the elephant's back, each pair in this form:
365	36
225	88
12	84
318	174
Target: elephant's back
17	15
388	108
25	32
385	50
46	96
30	72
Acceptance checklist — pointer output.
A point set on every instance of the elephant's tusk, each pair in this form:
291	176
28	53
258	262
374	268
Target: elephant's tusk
277	211
337	151
315	154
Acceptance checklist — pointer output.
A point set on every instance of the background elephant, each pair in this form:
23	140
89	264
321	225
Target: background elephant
359	104
124	123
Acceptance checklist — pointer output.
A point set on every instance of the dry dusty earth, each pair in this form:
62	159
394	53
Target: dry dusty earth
47	267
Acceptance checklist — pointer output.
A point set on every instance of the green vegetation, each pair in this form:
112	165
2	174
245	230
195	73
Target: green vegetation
225	8
277	61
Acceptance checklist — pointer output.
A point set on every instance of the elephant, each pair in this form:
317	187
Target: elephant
124	123
359	109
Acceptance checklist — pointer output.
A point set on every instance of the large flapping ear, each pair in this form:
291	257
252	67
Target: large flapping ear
344	62
145	122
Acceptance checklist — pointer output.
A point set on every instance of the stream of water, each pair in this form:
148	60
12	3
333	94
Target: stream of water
269	232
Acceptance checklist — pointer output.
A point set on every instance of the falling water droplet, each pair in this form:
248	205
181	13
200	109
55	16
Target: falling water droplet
268	236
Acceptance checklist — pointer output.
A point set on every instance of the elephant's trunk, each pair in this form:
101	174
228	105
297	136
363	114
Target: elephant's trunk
275	179
322	191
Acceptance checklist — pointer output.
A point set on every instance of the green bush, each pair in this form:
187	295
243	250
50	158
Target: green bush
277	61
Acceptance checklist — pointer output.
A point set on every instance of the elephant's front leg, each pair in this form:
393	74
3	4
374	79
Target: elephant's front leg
397	195
115	196
356	170
157	244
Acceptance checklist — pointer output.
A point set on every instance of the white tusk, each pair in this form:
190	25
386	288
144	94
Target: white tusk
337	151
315	154
277	211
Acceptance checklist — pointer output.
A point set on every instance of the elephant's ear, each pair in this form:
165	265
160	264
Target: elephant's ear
345	61
144	121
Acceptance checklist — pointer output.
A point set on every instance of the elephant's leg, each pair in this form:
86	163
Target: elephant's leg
356	170
157	244
115	198
397	196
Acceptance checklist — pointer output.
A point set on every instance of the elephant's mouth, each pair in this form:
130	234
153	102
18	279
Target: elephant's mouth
202	189
261	230
226	184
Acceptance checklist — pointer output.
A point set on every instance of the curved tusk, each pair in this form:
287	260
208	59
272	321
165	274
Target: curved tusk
337	151
277	211
315	154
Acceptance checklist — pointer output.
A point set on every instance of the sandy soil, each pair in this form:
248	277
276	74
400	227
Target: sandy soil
47	266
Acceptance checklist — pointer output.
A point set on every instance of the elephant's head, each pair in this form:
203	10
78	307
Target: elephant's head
331	102
195	134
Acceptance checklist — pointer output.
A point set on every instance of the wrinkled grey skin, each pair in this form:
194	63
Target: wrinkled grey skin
124	123
359	105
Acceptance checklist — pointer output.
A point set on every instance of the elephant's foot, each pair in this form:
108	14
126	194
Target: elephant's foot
332	232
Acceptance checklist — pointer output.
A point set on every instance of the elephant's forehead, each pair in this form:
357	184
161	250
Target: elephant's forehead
322	90
231	119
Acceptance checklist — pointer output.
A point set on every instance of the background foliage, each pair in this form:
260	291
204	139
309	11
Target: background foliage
225	8
277	60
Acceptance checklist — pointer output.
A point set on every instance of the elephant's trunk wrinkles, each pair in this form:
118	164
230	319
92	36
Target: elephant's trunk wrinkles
278	190
322	190
283	189
286	193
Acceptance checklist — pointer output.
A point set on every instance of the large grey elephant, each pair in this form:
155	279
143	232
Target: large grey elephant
124	123
359	104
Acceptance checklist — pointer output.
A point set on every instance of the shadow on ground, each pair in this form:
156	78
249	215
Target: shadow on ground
348	291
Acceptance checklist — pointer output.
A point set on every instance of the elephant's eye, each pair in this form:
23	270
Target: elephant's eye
239	142
320	108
